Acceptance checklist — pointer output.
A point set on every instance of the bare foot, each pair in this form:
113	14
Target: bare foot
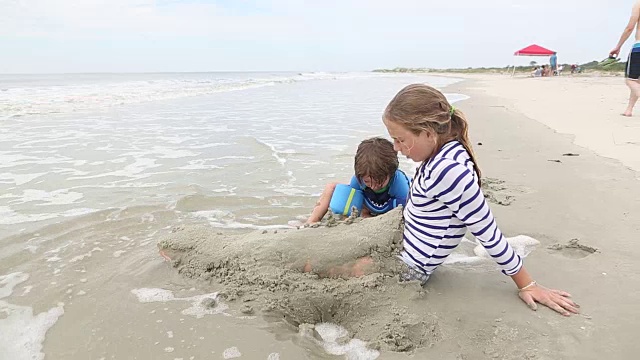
627	114
164	255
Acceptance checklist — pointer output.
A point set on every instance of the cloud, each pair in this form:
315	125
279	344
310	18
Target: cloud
234	19
141	35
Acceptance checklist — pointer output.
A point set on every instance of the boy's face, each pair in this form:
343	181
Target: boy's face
374	185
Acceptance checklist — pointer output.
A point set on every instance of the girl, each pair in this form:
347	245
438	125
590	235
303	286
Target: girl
445	198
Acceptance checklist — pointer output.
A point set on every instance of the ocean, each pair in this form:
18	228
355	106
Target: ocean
94	168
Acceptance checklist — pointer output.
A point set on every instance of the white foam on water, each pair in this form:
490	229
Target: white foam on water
118	253
9	216
274	152
27	289
197	310
231	353
233	157
56	197
226	219
224	128
147	295
200	164
23	333
18	179
170	153
457	258
12	158
82	256
523	245
259	217
10	281
206	146
225	188
454	98
70	171
291	191
332	335
130	171
273	356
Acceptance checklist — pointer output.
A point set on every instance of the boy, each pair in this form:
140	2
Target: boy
377	175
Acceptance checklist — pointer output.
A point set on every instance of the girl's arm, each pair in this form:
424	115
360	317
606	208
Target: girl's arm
457	187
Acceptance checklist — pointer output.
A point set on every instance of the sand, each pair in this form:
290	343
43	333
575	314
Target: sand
586	107
263	271
580	213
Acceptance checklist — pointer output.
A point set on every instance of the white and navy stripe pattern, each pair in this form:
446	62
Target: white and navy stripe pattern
444	201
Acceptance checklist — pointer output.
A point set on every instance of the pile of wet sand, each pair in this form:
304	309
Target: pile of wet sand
264	271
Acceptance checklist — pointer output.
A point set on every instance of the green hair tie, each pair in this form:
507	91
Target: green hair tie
453	109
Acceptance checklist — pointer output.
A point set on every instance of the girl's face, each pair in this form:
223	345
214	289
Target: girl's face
415	147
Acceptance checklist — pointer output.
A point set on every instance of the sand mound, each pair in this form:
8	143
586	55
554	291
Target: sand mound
264	269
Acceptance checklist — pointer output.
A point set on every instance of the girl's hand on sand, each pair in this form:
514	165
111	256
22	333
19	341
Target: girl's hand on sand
557	300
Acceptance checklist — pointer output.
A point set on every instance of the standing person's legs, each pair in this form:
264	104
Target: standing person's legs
632	73
634	94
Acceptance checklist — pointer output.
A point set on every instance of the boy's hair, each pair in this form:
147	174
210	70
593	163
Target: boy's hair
376	158
420	107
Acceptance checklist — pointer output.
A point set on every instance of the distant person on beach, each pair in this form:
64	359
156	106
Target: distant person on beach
545	70
632	71
445	199
537	72
554	63
385	187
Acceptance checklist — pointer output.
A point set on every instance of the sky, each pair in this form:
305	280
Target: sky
79	36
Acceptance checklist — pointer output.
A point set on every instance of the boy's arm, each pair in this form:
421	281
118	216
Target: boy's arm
400	188
628	30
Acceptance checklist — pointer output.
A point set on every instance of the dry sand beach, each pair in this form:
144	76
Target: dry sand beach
560	167
580	206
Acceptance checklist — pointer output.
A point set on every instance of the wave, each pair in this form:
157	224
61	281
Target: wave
101	93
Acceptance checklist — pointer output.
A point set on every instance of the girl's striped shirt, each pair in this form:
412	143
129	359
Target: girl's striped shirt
444	201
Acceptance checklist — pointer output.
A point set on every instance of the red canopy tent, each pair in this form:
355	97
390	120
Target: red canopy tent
532	50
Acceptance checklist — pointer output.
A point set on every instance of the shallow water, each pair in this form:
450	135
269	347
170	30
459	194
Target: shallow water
95	168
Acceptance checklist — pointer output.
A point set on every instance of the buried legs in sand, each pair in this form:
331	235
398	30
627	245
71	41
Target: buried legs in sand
634	88
364	266
357	268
